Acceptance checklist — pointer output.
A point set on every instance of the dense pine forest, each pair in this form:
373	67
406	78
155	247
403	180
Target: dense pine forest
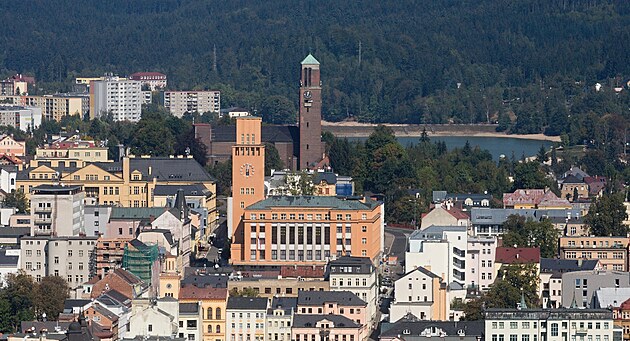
529	65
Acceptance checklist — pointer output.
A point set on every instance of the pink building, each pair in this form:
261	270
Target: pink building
9	146
343	303
480	262
325	328
125	222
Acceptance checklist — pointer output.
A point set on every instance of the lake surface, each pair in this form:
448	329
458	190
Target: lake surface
497	146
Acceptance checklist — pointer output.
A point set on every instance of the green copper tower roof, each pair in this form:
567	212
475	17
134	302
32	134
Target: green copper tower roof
310	60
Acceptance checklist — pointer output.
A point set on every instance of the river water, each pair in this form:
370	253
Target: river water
497	146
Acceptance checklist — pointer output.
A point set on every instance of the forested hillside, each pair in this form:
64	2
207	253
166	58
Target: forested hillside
538	59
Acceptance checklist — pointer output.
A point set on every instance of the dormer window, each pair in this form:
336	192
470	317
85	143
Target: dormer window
406	332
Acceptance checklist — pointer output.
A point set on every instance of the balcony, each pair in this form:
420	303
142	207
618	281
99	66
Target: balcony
43	221
42	209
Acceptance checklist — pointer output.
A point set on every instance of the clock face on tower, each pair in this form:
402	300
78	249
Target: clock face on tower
308	95
247	170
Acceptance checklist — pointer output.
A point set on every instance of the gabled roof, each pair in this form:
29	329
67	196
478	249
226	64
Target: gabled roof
170	169
511	255
269	134
127	276
288	304
572	179
116	296
247	303
424	271
310	321
310	60
357	265
69	304
319	298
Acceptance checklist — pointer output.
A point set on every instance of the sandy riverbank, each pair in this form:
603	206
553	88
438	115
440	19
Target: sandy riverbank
355	129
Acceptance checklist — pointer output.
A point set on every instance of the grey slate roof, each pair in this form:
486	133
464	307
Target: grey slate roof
329	177
572	179
202	281
451	328
189	190
188	308
566	265
68	304
247	303
8	260
307	320
14	231
128	213
358	265
170	169
424	271
55	188
288	304
433	230
319	298
497	216
313	201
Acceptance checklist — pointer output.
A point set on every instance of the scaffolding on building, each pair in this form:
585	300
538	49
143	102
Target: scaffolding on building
141	260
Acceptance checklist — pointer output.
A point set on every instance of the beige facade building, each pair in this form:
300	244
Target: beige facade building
86	151
180	102
270	287
54	107
72	258
612	252
57	210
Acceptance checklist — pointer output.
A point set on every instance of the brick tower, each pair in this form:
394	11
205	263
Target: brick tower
310	120
248	179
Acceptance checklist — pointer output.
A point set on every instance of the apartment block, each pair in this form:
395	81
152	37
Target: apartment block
441	249
73	149
22	118
10	146
56	107
57	210
612	252
180	102
579	287
245	318
357	275
280	318
342	303
325	327
552	325
421	293
120	97
213	309
72	258
480	256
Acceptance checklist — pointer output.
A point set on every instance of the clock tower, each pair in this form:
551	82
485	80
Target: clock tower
248	179
310	113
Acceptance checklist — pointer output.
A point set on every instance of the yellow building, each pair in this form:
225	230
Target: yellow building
86	151
213	303
128	183
612	252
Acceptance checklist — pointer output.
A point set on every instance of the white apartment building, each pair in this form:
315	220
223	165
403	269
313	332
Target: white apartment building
549	325
479	262
72	258
421	293
8	175
57	210
280	318
245	319
357	275
119	96
442	250
23	118
190	321
180	102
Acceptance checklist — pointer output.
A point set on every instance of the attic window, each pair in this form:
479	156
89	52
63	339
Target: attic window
406	332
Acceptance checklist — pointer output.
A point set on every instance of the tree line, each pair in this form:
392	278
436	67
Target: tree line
528	65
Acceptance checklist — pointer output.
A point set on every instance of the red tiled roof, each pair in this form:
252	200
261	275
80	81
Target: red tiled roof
528	196
127	276
302	271
192	292
625	305
457	213
519	255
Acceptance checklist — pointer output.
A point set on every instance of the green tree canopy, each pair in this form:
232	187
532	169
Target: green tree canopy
521	232
16	199
606	216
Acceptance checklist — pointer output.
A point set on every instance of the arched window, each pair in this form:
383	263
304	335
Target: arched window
210	328
209	317
218	314
218	328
